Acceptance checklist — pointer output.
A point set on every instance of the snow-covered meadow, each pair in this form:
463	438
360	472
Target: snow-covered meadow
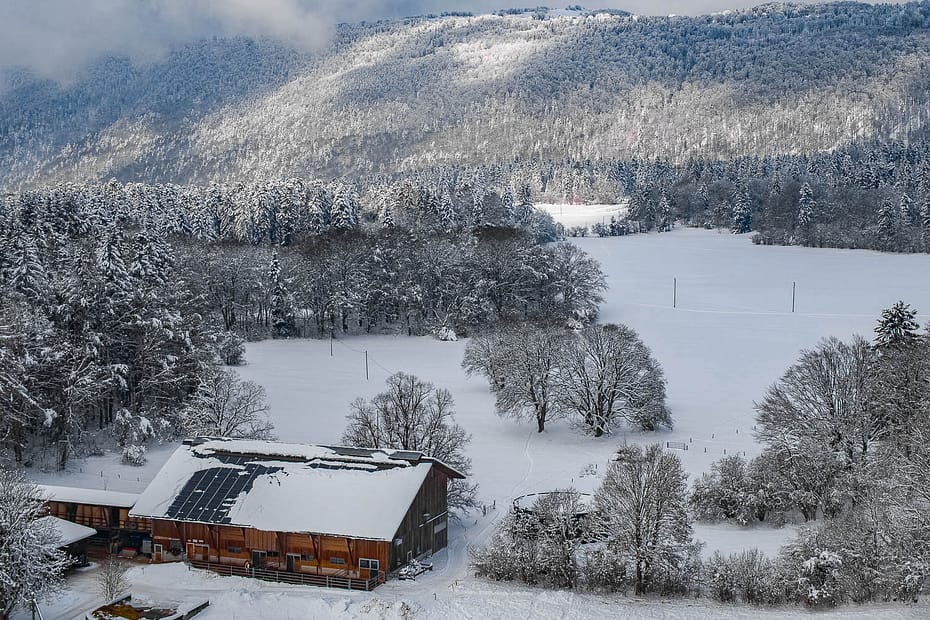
571	215
730	336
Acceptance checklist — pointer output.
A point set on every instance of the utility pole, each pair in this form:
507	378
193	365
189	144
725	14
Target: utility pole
794	288
674	292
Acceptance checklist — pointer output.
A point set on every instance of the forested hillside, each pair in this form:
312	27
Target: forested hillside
406	96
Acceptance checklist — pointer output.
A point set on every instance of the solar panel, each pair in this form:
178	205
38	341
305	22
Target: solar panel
210	493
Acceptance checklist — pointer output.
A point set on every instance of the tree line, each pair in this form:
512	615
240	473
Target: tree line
120	303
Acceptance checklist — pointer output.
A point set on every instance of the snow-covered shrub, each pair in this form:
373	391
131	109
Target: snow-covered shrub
536	546
604	571
132	428
134	454
748	577
723	493
739	491
230	347
446	334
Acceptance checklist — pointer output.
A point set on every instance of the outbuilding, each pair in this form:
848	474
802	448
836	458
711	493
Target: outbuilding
72	538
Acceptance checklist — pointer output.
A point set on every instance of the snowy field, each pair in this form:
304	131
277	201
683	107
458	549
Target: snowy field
731	335
570	215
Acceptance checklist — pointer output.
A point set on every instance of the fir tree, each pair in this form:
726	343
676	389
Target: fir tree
887	225
741	219
282	306
897	327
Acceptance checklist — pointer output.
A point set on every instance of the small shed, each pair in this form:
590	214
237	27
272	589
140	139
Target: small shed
302	509
105	511
72	537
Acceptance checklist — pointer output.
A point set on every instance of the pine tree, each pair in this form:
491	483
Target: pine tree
345	209
282	305
897	327
741	219
887	225
807	209
925	224
906	210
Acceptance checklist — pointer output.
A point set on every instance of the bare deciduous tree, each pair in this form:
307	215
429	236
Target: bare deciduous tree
824	399
414	415
609	374
111	578
224	406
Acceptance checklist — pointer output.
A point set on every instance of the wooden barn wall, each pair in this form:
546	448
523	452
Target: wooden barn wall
418	535
234	545
98	517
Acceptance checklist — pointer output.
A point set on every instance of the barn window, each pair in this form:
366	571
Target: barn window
271	553
439	527
234	549
336	560
307	557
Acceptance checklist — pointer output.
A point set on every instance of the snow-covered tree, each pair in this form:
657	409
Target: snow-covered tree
528	362
643	515
824	400
31	564
281	302
741	214
897	327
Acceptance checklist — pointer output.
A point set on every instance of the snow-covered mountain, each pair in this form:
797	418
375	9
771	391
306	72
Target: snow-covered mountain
408	95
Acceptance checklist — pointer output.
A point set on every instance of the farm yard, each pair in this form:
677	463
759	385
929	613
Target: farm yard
731	333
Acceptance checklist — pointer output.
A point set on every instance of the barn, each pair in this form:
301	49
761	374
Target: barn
295	512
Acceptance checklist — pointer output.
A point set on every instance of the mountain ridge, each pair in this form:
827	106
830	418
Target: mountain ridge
396	97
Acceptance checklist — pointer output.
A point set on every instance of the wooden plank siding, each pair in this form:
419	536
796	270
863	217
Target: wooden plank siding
419	534
225	544
97	517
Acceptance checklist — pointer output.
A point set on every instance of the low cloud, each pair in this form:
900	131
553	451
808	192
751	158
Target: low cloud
57	38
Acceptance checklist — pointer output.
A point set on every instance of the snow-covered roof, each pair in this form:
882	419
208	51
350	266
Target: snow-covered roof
68	532
94	497
280	487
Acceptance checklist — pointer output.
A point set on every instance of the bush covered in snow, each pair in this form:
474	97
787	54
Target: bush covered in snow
230	347
746	577
134	454
537	546
739	491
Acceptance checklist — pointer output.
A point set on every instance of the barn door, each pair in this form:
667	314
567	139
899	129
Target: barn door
258	559
157	553
292	563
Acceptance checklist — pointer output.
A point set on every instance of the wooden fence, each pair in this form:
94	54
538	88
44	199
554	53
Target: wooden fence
309	579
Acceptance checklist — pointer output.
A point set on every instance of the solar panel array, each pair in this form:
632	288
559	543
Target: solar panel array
210	493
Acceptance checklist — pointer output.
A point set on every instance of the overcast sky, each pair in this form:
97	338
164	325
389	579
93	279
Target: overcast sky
56	38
